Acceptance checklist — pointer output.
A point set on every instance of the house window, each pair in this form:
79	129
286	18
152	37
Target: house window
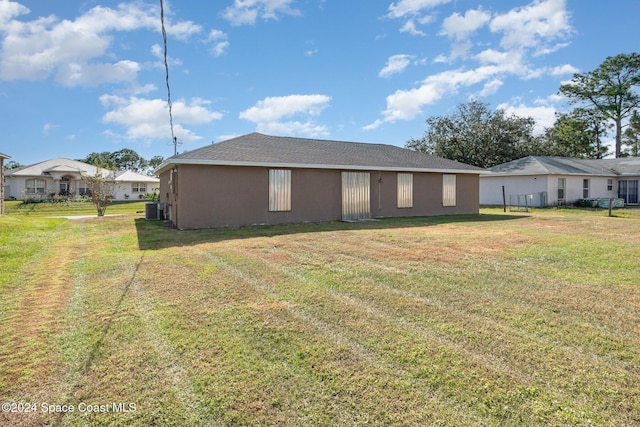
36	186
83	188
585	188
448	190
279	190
609	185
139	187
405	190
561	189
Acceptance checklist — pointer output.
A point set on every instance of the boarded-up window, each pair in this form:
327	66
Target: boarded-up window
356	195
448	190
405	190
279	190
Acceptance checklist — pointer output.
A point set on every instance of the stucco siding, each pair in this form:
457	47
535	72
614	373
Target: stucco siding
216	196
491	188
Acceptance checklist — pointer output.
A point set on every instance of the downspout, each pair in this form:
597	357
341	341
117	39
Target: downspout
379	192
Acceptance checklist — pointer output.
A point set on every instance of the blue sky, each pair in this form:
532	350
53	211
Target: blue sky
84	76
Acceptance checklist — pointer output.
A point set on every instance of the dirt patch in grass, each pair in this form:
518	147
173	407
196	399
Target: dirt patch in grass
37	317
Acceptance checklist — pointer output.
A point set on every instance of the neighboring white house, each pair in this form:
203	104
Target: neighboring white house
65	178
551	181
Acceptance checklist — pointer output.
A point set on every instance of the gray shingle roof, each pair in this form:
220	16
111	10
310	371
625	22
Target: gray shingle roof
625	166
542	165
256	149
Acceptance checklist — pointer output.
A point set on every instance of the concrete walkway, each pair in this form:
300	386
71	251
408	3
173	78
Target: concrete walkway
83	216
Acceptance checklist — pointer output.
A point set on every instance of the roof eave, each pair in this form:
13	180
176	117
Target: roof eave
507	174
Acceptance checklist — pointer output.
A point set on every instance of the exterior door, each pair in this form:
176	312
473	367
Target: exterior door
356	196
628	191
64	188
632	188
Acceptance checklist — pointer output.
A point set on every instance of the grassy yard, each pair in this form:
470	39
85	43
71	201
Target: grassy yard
495	319
59	208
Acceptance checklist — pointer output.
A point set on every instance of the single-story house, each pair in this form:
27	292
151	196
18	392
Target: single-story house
262	179
62	177
540	181
2	195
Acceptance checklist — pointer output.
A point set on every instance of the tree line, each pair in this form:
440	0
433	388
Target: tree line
125	159
604	99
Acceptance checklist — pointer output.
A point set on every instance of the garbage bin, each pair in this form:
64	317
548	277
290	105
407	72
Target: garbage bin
151	211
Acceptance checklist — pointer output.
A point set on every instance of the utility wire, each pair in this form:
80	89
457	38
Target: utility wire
174	140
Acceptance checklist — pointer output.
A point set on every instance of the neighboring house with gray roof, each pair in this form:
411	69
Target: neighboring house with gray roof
262	179
62	177
552	181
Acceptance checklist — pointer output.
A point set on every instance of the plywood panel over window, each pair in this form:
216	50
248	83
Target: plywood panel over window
279	190
448	190
405	190
356	195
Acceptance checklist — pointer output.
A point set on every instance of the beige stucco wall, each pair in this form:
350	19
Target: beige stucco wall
214	196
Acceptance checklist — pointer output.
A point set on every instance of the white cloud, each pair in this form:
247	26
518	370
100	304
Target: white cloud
491	87
511	61
48	127
293	128
87	74
395	64
562	70
149	118
544	116
243	12
76	52
219	41
461	27
269	113
9	10
412	11
526	32
412	7
440	59
407	104
534	25
410	27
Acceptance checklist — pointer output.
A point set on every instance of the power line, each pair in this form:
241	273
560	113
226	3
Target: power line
174	139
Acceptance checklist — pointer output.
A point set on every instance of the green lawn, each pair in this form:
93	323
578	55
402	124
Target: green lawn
494	319
53	208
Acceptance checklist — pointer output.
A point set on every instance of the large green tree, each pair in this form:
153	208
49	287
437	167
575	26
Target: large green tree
579	133
128	159
102	160
12	165
612	89
154	162
124	159
477	135
631	136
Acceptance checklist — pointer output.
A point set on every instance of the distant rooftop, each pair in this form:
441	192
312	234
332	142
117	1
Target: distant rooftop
546	165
